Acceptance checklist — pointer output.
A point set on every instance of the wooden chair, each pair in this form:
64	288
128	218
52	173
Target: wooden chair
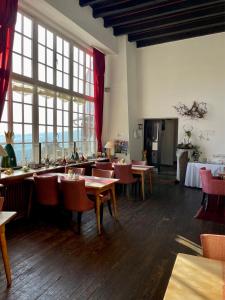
213	246
104	165
106	196
75	198
75	170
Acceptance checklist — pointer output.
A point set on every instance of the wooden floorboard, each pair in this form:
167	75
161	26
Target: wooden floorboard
132	259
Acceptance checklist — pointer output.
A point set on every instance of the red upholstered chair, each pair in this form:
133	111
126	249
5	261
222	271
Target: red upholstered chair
75	170
47	190
104	165
124	174
139	162
75	198
105	197
211	185
213	246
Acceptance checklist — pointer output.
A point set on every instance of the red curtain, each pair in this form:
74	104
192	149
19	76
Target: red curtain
8	11
99	71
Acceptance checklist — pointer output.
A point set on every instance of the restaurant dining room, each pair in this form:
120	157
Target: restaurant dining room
112	149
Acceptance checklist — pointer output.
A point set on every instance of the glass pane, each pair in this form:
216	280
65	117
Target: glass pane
28	98
92	90
50	58
28	152
59	62
81	107
88	60
81	120
75	134
75	53
66	134
41	34
5	113
41	72
66	49
27	67
41	54
50	133
27	47
28	133
88	75
50	116
17	129
17	43
75	84
27	27
17	64
92	62
66	118
18	22
59	79
50	39
59	103
17	96
75	106
66	105
3	128
50	75
41	134
87	87
75	119
41	100
59	117
87	107
17	112
81	57
66	65
81	72
92	108
81	86
65	81
75	69
59	44
19	153
42	115
50	102
59	134
27	113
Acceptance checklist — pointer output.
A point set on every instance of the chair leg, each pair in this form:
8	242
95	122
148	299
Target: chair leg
79	217
109	207
101	213
203	199
206	202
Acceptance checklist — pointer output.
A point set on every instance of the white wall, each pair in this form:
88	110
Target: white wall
184	71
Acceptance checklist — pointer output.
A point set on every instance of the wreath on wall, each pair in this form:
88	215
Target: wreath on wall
198	110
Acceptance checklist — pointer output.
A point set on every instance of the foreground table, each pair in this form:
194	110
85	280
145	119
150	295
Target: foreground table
5	216
196	278
142	171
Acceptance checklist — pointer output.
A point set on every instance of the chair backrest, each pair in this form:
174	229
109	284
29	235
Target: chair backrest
102	173
124	173
75	170
104	165
75	196
139	162
47	189
1	203
210	185
213	246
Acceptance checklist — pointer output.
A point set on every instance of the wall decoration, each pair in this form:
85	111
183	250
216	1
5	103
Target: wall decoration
198	110
121	146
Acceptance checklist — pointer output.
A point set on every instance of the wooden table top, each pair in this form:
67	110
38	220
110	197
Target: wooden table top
5	216
196	278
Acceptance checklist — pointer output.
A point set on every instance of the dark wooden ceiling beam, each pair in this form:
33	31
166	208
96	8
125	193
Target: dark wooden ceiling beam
89	2
173	19
216	28
193	25
120	7
159	11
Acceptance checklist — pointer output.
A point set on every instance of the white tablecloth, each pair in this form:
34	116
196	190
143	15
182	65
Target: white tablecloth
192	177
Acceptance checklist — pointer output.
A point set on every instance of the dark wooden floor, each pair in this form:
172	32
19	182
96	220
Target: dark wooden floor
132	259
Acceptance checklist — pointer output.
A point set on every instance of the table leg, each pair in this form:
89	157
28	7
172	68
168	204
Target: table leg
98	203
143	185
5	255
113	197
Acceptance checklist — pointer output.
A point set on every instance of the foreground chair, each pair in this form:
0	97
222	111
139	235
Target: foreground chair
80	171
105	197
124	174
211	185
47	190
139	162
213	246
75	198
104	165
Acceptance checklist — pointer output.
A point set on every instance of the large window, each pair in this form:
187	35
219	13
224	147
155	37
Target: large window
50	95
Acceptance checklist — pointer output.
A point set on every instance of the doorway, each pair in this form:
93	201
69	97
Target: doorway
160	141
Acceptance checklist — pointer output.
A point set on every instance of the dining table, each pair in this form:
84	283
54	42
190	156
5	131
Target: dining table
196	278
93	185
